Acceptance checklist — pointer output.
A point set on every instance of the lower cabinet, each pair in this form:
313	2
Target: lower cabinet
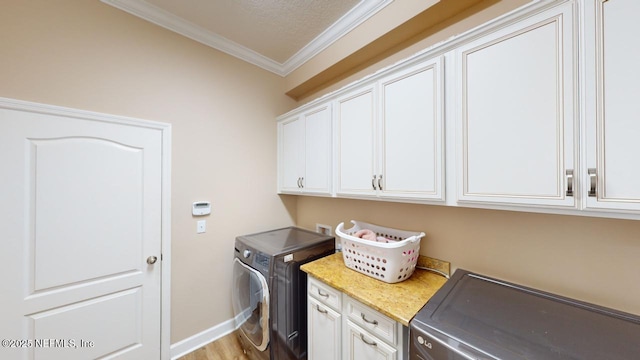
340	327
360	344
324	331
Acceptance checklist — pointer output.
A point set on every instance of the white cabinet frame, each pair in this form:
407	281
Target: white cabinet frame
356	135
350	330
411	153
304	152
390	135
611	107
580	160
517	145
324	331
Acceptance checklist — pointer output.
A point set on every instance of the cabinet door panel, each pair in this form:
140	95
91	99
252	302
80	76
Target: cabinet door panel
291	144
516	113
317	174
412	133
617	128
324	339
355	122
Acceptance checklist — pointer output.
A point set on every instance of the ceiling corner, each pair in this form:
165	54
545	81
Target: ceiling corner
358	14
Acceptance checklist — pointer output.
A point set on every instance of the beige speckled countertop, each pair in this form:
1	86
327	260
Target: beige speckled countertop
400	301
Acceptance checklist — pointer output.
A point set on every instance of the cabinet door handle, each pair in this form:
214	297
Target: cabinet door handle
321	311
370	343
373	182
380	183
593	182
302	182
374	322
298	182
569	182
323	294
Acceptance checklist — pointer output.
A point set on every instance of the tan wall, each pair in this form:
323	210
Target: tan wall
591	259
88	55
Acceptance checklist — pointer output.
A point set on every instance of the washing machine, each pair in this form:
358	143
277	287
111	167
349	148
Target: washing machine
269	293
474	316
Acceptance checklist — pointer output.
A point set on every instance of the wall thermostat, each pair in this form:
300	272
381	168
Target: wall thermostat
201	208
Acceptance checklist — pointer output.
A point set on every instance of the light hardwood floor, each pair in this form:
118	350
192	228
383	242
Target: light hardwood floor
225	348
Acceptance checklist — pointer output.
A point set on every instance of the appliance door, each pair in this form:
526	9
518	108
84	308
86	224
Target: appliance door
425	347
250	298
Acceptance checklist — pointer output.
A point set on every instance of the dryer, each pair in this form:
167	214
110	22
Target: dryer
269	293
476	317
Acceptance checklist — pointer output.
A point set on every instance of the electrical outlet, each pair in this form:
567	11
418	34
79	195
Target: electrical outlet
323	229
202	226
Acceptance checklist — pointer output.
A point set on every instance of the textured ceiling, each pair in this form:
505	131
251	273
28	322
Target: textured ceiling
278	35
276	29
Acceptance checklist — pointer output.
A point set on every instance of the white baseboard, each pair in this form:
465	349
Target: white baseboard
196	341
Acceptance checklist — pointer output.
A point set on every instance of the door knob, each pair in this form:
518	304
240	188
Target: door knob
152	260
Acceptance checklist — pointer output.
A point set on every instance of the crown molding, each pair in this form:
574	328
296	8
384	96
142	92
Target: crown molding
349	21
360	13
169	21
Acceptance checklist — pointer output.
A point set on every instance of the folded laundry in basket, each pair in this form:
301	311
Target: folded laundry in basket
385	240
366	234
370	235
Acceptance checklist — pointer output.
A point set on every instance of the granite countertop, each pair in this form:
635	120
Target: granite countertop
399	301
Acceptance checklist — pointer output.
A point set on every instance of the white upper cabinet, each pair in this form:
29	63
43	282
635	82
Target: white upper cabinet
411	149
541	115
514	113
291	154
612	105
390	136
356	132
304	152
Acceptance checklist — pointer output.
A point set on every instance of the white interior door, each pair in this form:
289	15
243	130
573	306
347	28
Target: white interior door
81	215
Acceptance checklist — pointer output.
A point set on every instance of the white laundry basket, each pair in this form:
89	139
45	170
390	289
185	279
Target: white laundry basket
390	261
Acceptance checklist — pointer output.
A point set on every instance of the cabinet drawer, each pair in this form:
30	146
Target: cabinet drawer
325	294
360	344
371	320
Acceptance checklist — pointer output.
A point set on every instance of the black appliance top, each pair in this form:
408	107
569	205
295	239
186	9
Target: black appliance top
508	321
285	240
